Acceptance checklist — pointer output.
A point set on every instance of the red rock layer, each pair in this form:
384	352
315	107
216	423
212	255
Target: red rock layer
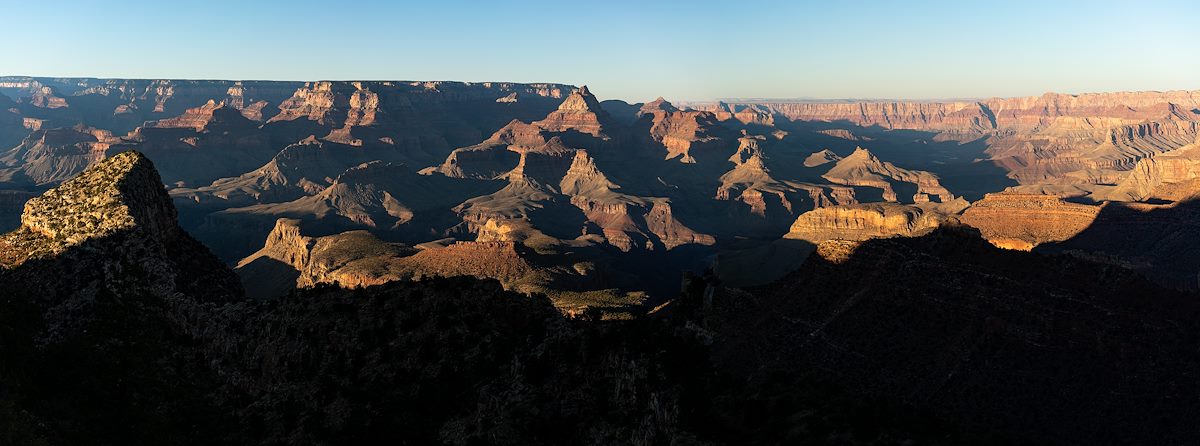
1023	221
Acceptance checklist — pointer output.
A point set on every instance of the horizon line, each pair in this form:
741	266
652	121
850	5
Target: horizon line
729	99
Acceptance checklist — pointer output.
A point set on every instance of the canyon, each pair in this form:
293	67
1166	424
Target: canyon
877	335
599	223
595	198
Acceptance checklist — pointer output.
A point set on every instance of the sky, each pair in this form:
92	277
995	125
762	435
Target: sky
631	50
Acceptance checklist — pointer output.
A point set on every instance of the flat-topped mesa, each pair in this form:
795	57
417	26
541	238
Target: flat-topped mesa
843	134
580	111
120	193
863	222
1023	221
949	116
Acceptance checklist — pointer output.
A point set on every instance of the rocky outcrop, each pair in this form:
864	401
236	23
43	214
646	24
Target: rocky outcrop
507	214
194	118
51	156
112	223
821	158
202	145
361	111
679	131
374	195
751	182
863	222
862	168
289	259
119	194
1053	139
626	221
357	259
500	153
1023	221
12	202
503	261
843	134
315	101
744	114
299	169
46	97
581	112
1188	190
1152	173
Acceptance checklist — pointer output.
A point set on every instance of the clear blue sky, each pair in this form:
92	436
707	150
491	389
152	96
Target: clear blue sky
633	50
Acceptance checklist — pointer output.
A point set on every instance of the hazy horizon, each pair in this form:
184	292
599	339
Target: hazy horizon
630	51
603	97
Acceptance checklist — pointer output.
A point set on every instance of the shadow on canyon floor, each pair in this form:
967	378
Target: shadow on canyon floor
450	361
1044	349
1161	241
962	166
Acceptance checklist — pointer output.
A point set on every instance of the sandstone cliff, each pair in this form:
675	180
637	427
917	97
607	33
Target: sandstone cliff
863	222
1151	173
1023	221
1054	139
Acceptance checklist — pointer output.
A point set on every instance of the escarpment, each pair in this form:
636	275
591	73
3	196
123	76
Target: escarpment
1151	173
1023	221
863	222
553	169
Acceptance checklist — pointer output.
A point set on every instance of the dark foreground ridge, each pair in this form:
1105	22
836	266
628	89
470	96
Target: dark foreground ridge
132	333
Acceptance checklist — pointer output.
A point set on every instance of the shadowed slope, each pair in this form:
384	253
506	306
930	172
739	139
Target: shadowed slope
1045	349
